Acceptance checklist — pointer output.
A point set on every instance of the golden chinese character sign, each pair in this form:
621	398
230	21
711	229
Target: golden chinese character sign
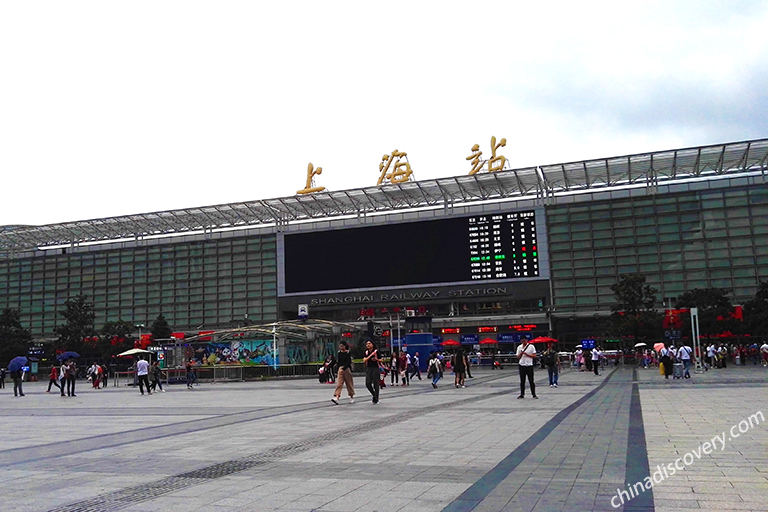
400	172
495	163
310	186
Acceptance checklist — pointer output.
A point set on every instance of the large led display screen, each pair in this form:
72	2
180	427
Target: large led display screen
451	250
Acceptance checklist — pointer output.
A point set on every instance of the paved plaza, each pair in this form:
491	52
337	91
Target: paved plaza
282	445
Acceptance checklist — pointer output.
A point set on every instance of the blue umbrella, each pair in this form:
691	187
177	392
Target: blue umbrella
16	363
68	355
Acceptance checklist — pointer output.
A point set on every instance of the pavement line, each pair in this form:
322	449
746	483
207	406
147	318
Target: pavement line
637	452
478	491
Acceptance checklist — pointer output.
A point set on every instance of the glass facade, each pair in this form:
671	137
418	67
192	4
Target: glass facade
714	237
206	284
678	241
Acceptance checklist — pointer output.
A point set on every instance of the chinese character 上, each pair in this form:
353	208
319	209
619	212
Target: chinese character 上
310	187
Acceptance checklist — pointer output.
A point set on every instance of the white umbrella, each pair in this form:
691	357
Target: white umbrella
134	351
578	346
640	345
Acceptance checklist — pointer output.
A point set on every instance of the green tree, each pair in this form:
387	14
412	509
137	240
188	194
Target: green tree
79	316
634	313
712	303
756	312
116	337
160	329
14	339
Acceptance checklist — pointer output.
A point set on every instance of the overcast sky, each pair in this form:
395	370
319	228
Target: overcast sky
111	108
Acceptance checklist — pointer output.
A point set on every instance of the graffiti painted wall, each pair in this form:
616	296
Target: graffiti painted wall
241	351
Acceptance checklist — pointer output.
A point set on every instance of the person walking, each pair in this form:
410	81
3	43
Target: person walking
191	377
685	355
17	376
142	371
394	374
2	378
344	375
551	361
402	365
460	368
156	376
53	379
665	356
596	360
434	368
71	375
415	371
372	375
526	353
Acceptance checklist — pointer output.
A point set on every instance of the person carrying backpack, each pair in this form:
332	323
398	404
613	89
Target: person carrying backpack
551	361
434	368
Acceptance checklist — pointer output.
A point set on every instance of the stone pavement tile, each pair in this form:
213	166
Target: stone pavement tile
422	506
664	495
384	504
719	505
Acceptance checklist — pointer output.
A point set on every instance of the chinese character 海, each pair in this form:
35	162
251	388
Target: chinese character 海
398	174
310	187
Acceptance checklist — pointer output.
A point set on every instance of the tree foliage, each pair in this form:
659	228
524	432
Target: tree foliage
634	313
712	303
160	329
116	337
756	312
79	316
14	339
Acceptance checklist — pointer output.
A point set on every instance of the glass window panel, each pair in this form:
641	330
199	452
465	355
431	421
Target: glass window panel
720	263
666	208
603	233
645	230
745	281
696	263
744	271
647	239
645	221
669	237
581	235
739	231
669	228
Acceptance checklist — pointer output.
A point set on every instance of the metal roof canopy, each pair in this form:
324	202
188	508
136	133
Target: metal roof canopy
296	329
546	181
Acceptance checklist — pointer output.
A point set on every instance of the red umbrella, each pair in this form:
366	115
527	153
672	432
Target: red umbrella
488	341
543	339
451	343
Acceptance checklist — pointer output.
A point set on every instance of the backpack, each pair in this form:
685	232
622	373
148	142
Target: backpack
548	359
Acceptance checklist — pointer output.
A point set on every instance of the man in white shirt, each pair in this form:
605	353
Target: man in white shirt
142	370
596	359
711	355
764	352
685	355
526	352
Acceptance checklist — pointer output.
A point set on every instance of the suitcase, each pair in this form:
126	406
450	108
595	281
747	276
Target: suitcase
677	371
